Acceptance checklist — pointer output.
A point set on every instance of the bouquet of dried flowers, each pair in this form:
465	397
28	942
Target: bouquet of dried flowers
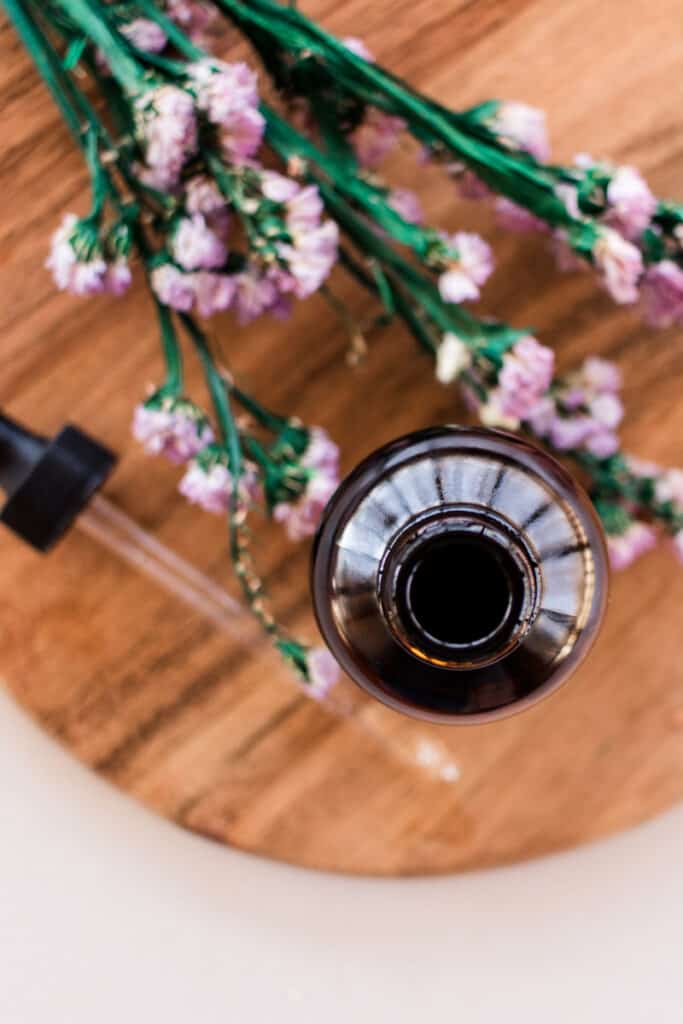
226	202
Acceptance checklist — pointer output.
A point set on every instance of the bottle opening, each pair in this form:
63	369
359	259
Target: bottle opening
458	590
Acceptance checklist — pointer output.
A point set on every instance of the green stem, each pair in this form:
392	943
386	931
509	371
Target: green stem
31	37
520	178
172	353
92	23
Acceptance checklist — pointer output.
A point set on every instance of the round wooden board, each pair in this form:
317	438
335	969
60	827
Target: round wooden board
210	734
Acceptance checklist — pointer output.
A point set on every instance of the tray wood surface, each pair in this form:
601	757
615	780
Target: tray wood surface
208	734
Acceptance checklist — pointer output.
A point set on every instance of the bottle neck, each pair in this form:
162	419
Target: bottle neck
459	589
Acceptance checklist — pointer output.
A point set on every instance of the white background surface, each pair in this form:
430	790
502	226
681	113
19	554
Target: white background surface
108	914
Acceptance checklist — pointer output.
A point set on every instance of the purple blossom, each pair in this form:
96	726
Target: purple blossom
208	482
117	277
619	264
669	487
194	246
321	460
470	186
213	293
194	16
465	274
228	95
407	204
241	134
358	47
172	427
255	293
512	217
172	287
631	204
526	374
167	122
145	35
79	273
523	127
626	547
600	375
323	672
376	137
662	292
77	261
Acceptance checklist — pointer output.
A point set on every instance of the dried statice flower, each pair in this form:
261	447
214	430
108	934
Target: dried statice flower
209	483
167	125
469	270
171	426
320	464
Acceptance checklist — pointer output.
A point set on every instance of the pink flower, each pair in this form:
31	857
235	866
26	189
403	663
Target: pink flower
376	137
311	258
321	459
631	204
81	273
167	123
208	482
213	293
78	263
281	189
407	204
202	195
469	270
523	127
223	88
255	294
669	487
626	547
512	217
526	374
145	35
662	293
173	287
619	264
194	16
194	245
358	47
606	409
642	468
602	443
323	672
172	427
600	375
568	433
228	95
241	134
117	277
469	185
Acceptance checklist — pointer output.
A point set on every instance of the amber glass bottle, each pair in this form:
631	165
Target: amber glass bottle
459	574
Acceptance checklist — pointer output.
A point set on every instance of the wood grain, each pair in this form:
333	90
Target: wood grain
209	733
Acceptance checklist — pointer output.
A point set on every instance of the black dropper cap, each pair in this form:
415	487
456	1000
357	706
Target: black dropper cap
47	483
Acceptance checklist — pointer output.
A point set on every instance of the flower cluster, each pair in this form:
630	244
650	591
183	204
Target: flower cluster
171	426
174	152
318	468
515	389
208	482
468	270
83	261
581	411
292	248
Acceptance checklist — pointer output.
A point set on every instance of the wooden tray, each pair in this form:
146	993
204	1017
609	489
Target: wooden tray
213	737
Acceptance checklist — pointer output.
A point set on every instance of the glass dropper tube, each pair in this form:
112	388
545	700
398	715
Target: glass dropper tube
409	743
